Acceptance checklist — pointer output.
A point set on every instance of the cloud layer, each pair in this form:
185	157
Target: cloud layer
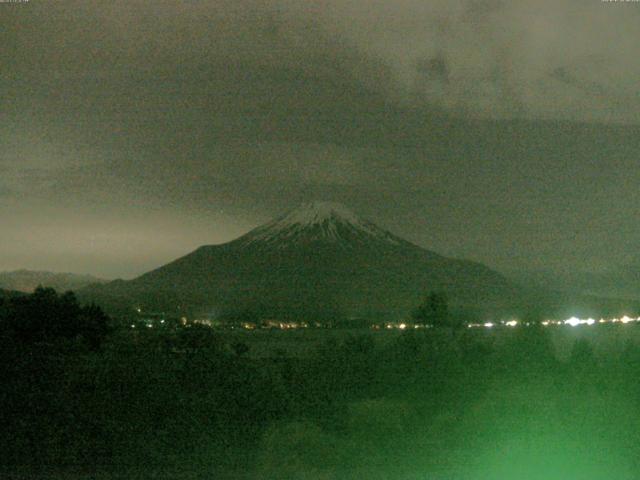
135	131
565	59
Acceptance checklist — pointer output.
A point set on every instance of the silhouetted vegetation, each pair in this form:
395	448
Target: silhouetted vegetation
434	311
47	317
193	402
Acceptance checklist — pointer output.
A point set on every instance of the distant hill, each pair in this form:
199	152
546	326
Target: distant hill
27	280
615	282
320	260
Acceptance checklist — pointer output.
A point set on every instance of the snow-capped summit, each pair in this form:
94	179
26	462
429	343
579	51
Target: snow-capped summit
318	261
318	212
318	221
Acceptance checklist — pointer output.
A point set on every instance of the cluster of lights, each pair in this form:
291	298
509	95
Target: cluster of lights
573	322
510	323
275	324
399	326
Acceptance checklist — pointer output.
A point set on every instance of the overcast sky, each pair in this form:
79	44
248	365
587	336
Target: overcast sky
504	132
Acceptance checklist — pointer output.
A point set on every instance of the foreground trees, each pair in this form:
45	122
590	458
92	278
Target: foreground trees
434	310
47	317
191	402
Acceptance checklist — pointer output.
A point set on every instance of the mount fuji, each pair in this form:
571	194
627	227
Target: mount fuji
320	260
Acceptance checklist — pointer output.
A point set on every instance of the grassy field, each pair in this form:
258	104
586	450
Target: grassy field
604	339
503	404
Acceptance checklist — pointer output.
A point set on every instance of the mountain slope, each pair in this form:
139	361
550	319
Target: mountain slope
617	282
319	260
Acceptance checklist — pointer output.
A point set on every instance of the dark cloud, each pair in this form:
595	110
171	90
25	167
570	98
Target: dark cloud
501	131
493	54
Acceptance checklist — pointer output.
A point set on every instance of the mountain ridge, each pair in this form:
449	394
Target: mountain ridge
317	260
326	220
24	280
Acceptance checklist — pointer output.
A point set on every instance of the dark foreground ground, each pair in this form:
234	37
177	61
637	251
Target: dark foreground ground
522	403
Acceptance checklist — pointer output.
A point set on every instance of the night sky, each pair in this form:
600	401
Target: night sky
504	132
